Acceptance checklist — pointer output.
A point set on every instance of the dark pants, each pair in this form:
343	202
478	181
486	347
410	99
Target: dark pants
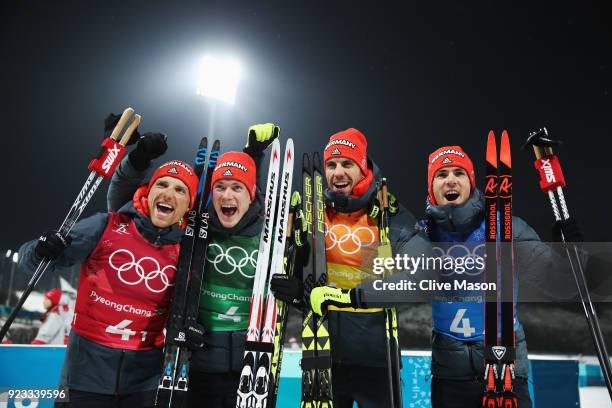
368	386
82	399
212	390
468	393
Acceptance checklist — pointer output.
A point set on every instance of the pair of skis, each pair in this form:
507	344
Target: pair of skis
263	348
101	167
182	320
499	351
316	348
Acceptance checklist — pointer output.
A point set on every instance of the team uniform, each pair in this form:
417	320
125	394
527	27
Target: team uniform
352	239
114	353
114	348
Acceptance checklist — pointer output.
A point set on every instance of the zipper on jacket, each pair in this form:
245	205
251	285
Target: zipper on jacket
119	373
469	345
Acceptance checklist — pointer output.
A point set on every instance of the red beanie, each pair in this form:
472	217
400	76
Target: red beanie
348	144
180	170
448	156
54	295
236	166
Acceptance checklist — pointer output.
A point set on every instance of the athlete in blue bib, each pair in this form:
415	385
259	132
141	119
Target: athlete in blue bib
454	223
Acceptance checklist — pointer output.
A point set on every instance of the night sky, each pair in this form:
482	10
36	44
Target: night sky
412	78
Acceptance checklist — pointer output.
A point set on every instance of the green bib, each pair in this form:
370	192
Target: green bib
225	298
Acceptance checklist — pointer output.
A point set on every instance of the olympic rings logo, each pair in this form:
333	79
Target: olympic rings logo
244	259
155	274
340	234
458	251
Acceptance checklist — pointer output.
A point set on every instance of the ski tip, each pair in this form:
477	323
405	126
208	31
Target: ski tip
289	154
504	149
316	160
491	149
275	154
306	162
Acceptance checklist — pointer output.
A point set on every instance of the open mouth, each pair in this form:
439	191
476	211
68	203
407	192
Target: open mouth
451	196
228	209
340	185
164	208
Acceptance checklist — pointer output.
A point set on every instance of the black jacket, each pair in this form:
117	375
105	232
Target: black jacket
89	366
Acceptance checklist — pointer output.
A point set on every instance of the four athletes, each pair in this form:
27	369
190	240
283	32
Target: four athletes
119	317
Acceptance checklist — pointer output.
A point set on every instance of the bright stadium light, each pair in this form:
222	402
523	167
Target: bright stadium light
218	78
15	257
8	253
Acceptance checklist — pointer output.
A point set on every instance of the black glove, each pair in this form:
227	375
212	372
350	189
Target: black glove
571	231
150	146
287	288
195	336
51	245
260	137
109	125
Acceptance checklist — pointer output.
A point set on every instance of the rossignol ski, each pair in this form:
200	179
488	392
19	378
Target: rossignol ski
392	345
499	269
257	376
103	166
552	183
174	381
316	348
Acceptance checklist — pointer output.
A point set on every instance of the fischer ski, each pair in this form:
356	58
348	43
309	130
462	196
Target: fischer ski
552	183
316	349
103	166
174	382
294	224
499	352
254	389
392	345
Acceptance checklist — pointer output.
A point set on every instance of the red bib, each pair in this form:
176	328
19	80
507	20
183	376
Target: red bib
125	288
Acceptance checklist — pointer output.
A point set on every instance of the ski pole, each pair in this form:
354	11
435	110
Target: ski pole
103	166
551	182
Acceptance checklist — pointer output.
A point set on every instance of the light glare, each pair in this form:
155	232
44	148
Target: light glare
218	79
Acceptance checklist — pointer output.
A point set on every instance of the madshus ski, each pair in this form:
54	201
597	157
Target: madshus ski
499	351
258	379
316	349
552	182
174	382
102	166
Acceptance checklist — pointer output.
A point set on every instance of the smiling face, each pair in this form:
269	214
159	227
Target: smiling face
231	201
342	175
451	185
168	201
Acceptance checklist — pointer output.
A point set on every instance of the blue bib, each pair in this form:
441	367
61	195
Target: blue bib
460	312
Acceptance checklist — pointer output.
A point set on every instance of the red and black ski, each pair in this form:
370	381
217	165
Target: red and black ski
499	269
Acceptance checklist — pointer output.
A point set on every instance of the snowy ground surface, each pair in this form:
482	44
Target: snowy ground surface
594	397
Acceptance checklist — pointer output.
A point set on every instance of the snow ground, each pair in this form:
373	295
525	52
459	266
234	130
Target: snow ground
594	397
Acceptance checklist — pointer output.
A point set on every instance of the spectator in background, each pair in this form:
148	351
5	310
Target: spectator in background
56	319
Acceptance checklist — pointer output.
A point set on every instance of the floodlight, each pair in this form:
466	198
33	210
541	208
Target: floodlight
218	78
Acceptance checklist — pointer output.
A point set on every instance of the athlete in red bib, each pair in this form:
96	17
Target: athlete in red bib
128	261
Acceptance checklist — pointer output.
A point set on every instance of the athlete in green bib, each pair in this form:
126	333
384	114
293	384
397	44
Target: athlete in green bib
225	300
